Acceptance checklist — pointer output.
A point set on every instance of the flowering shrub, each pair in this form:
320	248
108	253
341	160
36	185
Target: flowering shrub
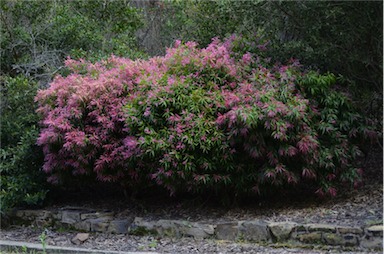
200	119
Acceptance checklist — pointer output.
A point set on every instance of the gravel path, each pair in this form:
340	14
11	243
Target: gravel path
163	245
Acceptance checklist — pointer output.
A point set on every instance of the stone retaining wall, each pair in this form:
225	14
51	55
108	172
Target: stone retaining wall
370	237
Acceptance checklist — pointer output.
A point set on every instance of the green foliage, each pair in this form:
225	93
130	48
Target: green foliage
339	126
21	160
200	120
37	36
343	37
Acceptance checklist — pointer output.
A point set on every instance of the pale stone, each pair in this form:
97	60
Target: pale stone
80	238
227	231
376	229
321	227
350	230
70	217
282	230
254	230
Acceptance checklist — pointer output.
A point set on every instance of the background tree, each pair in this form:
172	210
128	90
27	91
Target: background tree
343	37
37	36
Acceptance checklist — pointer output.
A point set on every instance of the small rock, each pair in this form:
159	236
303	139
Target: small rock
350	240
282	230
333	239
80	238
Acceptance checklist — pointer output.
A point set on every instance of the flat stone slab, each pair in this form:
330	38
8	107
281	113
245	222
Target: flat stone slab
350	230
375	229
19	246
321	227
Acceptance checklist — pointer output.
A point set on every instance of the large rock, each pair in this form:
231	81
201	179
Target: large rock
119	226
70	217
195	230
99	225
227	231
256	230
282	230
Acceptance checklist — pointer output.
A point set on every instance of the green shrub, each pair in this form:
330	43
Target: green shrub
201	120
21	181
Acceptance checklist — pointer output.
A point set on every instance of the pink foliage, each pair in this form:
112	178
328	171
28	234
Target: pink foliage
108	119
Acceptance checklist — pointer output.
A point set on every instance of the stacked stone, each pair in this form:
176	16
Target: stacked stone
258	231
